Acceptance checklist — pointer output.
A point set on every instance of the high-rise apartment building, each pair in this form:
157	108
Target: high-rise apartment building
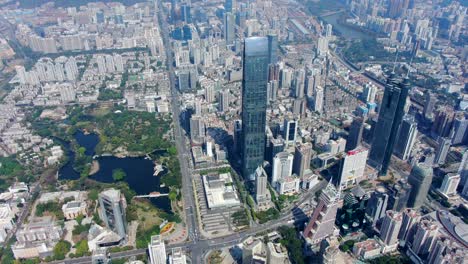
390	116
262	195
424	237
420	178
197	129
254	102
443	148
113	206
391	227
408	226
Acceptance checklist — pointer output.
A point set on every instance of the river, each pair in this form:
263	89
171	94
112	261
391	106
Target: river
138	169
345	31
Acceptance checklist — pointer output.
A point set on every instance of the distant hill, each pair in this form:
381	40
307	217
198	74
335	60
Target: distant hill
72	3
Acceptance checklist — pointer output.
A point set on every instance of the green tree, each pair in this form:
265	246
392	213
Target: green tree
82	248
61	249
118	174
172	195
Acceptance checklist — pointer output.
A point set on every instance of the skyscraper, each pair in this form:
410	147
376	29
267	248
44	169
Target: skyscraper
390	227
157	250
223	100
406	137
302	157
228	5
459	132
254	102
113	205
450	184
377	205
282	167
424	237
322	220
408	226
420	178
229	33
442	150
197	129
355	134
272	48
399	195
352	168
429	105
390	116
261	191
397	8
289	130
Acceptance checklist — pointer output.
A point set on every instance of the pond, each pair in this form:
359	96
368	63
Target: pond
345	31
139	170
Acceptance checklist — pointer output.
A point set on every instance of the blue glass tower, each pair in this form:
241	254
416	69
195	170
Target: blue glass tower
390	116
254	103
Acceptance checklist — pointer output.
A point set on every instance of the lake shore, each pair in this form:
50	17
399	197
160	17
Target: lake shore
94	167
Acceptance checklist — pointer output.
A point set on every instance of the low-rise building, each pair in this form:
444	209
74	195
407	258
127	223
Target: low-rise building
288	185
277	254
220	191
367	249
73	209
100	237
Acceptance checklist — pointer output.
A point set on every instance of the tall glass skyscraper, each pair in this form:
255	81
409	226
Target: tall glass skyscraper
254	103
390	116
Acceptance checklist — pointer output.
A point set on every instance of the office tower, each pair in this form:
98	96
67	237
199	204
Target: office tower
174	15
352	168
406	137
322	220
282	167
450	184
229	29
328	30
369	92
67	92
261	191
289	130
429	105
223	100
254	93
318	100
459	132
229	5
391	227
355	134
443	148
377	205
100	256
197	129
302	157
157	250
399	195
101	62
275	146
177	256
113	205
443	121
209	93
463	168
424	236
185	14
390	116
420	178
408	226
272	48
322	46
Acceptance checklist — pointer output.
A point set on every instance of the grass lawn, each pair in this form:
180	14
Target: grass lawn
147	215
